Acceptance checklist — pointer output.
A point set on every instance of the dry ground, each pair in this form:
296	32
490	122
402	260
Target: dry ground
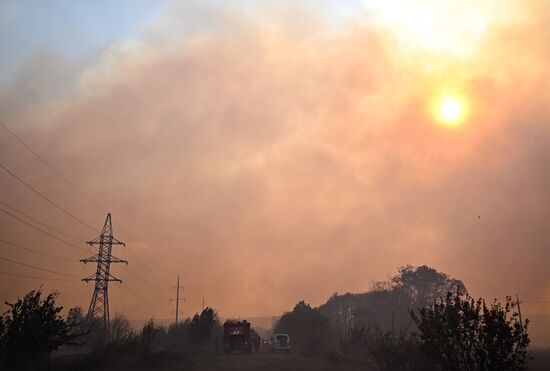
264	361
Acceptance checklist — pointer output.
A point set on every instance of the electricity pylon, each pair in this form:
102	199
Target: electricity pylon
99	306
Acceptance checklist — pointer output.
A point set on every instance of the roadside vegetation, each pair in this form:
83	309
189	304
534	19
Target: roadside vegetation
418	319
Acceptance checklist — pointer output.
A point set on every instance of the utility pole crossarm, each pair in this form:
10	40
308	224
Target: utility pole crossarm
98	259
98	241
93	277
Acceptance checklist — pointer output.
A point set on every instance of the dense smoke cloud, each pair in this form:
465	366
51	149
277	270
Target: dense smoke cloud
266	162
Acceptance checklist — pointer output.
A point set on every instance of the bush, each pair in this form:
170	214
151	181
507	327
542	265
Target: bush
460	333
30	330
202	327
390	350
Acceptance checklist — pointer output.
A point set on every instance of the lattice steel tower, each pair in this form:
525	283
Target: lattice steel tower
99	306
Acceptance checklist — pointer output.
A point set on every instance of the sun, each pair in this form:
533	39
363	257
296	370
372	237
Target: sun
450	110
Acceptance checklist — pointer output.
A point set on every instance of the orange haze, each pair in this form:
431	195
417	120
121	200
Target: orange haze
279	158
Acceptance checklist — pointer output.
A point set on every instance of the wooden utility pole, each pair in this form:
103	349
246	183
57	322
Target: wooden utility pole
519	310
177	299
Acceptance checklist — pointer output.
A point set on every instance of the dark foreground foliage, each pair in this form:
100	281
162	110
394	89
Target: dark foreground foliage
394	350
447	331
30	330
350	332
460	333
150	348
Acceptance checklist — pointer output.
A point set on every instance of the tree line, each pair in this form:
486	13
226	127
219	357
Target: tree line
416	320
419	319
33	328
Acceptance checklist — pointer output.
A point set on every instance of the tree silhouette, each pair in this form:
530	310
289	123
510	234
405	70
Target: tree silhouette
422	285
461	333
202	327
30	330
387	304
121	329
308	328
150	336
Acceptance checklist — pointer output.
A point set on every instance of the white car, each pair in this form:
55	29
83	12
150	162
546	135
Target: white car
280	342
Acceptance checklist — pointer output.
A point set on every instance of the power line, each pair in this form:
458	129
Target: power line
74	187
43	231
139	296
130	252
53	169
142	278
536	302
148	303
38	268
155	290
132	308
62	209
39	222
157	276
36	251
47	199
144	265
38	278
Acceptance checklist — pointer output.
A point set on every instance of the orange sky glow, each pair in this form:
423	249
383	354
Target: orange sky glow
277	156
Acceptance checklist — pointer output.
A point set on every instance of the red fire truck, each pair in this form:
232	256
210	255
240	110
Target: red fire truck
237	337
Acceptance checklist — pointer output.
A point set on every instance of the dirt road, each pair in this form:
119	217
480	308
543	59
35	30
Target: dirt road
264	360
216	361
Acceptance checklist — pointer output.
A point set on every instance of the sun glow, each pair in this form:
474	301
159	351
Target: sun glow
450	110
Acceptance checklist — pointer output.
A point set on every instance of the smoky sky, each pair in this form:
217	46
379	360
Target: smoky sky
266	161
